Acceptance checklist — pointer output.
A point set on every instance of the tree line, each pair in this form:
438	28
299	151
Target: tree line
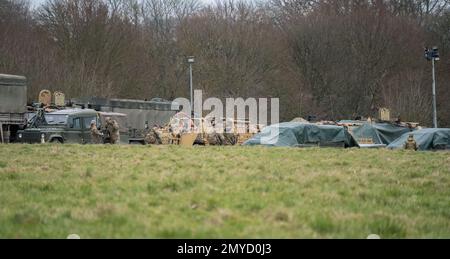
332	58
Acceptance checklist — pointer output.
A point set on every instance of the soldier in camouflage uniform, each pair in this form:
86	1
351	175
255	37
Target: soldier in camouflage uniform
113	129
229	139
96	135
154	136
411	144
150	138
213	139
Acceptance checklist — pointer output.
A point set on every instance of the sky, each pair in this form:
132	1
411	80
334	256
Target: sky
38	2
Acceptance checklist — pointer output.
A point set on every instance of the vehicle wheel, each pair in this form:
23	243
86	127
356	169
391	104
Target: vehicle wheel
56	141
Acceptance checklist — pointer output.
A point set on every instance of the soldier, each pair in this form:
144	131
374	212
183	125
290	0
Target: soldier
150	138
113	129
213	139
96	135
411	144
153	137
228	139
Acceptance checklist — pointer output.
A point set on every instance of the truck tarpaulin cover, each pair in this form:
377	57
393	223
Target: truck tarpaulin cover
294	134
13	94
427	139
380	133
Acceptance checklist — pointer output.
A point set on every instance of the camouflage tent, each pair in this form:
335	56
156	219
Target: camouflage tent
427	139
377	133
293	134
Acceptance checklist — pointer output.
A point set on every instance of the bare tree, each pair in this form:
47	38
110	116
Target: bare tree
333	58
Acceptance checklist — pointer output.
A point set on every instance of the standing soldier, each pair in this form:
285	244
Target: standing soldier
96	135
113	129
411	143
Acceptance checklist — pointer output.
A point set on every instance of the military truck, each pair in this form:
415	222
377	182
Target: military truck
68	126
65	126
140	113
13	102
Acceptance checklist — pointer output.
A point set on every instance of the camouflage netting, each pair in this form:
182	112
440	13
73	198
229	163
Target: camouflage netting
296	134
427	139
378	133
293	134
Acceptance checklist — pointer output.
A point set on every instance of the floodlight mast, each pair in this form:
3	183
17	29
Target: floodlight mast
433	56
191	61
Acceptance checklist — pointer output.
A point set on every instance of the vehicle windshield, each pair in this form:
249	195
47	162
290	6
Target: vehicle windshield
56	119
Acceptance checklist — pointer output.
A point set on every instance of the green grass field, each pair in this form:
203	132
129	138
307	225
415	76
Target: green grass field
226	192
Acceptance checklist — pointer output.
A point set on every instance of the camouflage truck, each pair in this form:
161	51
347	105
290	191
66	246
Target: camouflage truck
184	130
13	102
235	132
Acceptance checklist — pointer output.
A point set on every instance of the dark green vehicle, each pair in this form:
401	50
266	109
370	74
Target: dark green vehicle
65	126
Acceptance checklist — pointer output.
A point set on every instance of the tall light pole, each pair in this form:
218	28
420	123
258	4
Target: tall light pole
433	56
191	61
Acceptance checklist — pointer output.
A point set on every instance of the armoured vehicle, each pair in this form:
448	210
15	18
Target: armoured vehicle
183	130
66	126
13	102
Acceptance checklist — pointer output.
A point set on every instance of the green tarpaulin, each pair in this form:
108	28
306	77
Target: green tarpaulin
380	133
294	134
427	139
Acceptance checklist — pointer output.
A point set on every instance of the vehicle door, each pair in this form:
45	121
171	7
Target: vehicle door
74	131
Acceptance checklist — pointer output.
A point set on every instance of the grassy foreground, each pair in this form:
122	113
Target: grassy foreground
172	192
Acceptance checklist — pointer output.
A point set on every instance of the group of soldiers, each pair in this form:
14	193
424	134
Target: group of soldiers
111	135
223	139
163	136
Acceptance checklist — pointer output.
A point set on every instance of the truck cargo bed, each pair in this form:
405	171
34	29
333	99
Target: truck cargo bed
13	94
